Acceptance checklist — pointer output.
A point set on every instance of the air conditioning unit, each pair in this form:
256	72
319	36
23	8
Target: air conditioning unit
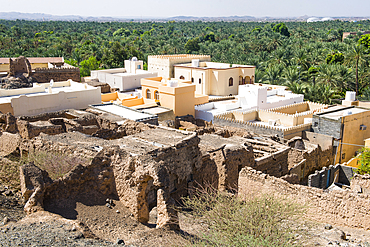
363	127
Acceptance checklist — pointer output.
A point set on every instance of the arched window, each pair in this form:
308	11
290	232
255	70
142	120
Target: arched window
200	81
156	95
148	94
247	80
231	82
182	77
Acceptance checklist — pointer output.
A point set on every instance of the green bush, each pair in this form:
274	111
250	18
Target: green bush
364	158
260	221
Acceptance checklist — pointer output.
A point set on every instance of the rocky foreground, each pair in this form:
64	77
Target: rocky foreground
102	226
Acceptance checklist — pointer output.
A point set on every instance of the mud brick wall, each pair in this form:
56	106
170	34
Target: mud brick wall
344	208
361	181
44	75
275	165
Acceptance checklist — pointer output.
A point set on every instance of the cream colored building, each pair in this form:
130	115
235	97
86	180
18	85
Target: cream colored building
215	78
42	98
175	94
164	64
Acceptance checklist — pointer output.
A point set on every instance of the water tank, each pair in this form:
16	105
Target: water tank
134	59
195	63
172	83
350	96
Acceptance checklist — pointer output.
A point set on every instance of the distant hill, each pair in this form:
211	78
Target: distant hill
47	17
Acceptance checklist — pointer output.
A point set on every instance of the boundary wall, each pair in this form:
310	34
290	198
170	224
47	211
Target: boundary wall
344	208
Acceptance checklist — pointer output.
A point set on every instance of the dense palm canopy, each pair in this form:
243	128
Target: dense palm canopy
306	57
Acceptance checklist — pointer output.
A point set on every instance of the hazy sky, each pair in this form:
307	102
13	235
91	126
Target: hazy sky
211	8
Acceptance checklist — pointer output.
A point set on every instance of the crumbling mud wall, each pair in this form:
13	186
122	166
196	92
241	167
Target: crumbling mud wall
155	167
344	208
102	126
224	157
361	183
275	164
313	157
19	65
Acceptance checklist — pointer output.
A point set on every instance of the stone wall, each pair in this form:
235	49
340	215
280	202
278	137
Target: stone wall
326	126
333	174
44	75
336	207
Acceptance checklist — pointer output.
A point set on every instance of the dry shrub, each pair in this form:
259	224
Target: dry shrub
55	163
262	220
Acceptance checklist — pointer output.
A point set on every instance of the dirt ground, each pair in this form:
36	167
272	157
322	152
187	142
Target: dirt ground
99	225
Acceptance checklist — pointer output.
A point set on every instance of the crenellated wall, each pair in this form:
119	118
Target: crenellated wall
234	119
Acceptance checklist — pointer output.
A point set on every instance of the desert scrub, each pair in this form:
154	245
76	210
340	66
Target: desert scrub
262	220
55	163
9	172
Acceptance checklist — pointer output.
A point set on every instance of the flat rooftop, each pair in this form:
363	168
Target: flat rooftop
5	60
123	112
55	90
156	110
138	144
337	112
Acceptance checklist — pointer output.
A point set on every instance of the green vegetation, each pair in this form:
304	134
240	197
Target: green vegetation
364	158
307	57
227	221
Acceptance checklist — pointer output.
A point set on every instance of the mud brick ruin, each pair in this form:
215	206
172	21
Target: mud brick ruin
145	166
22	75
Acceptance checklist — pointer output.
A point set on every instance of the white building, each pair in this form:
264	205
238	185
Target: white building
124	78
45	98
250	97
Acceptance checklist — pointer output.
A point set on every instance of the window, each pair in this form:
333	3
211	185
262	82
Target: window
139	66
231	82
247	80
343	156
148	94
241	80
182	77
192	79
156	95
200	81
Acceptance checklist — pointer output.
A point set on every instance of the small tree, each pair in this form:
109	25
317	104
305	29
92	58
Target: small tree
87	65
282	29
364	157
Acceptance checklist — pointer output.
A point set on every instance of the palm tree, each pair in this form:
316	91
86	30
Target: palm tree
356	56
328	74
273	75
